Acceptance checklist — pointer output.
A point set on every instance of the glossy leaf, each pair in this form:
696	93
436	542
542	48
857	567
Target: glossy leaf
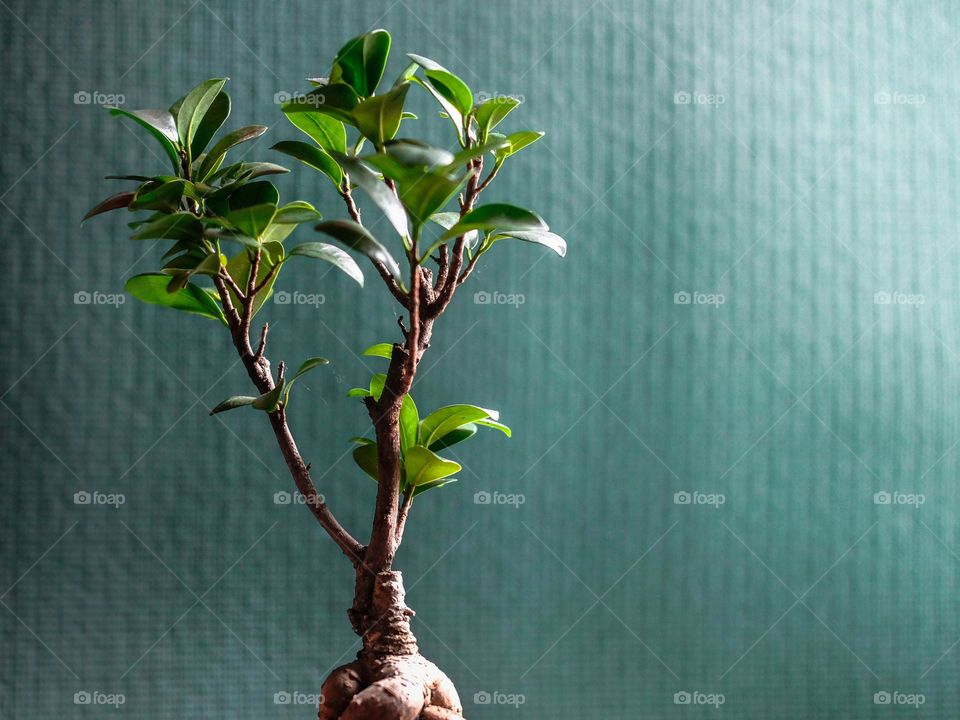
161	125
336	99
490	113
423	195
518	141
361	61
212	121
239	269
497	216
383	350
359	238
433	485
176	226
193	108
368	181
454	90
313	156
157	195
326	131
447	419
114	202
270	401
409	423
253	220
331	254
378	117
152	288
424	466
255	193
464	432
366	458
232	403
305	367
223	145
296	212
540	237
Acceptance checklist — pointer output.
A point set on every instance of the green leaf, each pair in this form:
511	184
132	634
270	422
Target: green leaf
223	145
194	108
247	171
378	117
384	350
368	181
336	99
161	125
518	141
313	156
331	254
423	195
296	212
359	238
176	226
425	466
217	114
152	288
492	144
490	113
252	221
255	193
233	402
432	485
409	423
305	367
362	440
452	417
454	90
366	458
358	392
496	216
415	154
159	195
465	432
114	202
496	426
239	269
540	237
270	401
361	61
377	382
326	131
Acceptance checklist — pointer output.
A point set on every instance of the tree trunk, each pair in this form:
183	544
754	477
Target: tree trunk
390	679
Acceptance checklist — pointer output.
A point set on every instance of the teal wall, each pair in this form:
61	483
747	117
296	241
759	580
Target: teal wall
798	198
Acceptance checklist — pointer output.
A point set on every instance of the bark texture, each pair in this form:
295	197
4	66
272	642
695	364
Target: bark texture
390	679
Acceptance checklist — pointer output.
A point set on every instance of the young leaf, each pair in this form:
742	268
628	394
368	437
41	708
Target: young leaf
452	417
219	150
331	254
361	61
366	458
452	88
233	402
305	367
152	288
424	466
270	401
409	423
490	113
464	432
313	156
384	350
540	237
518	141
114	202
194	107
359	238
432	485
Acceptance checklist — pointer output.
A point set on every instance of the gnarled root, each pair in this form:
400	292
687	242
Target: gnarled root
389	680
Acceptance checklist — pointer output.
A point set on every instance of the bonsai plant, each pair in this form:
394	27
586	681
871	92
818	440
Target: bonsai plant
207	205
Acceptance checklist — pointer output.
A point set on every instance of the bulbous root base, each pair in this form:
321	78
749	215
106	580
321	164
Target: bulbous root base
395	687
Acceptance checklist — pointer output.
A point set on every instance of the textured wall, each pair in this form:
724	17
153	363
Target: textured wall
814	166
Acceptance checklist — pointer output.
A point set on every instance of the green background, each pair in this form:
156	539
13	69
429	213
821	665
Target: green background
798	198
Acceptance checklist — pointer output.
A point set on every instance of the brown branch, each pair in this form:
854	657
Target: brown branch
469	269
348	199
392	285
404	512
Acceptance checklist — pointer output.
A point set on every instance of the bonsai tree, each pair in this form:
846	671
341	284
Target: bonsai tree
206	206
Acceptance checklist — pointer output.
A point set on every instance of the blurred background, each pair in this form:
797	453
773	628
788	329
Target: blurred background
732	486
